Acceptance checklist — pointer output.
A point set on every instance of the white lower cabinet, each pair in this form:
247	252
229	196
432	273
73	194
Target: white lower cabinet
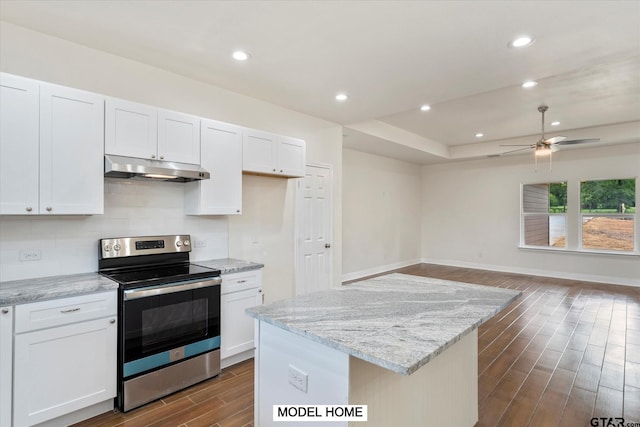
66	368
239	291
6	357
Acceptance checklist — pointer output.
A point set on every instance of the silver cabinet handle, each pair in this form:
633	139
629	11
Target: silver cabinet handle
161	157
49	208
153	156
274	170
5	310
70	310
112	321
238	210
327	245
29	208
281	171
241	281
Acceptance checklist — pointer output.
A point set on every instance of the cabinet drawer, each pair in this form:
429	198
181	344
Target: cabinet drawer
63	311
236	282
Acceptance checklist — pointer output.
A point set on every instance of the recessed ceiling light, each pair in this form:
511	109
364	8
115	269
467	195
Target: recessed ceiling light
555	123
342	96
479	135
529	83
425	107
240	55
521	41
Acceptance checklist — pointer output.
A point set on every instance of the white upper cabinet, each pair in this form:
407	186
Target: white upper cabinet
221	146
270	154
130	129
178	137
291	156
51	135
138	130
71	151
19	145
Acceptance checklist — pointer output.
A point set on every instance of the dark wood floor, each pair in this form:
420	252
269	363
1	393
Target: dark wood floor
564	352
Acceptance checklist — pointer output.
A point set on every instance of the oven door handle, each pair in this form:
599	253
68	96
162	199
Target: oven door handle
169	289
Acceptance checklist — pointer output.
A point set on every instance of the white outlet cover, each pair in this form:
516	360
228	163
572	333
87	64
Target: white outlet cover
298	378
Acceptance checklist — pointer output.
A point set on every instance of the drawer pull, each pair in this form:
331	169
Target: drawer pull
70	310
241	281
112	321
5	310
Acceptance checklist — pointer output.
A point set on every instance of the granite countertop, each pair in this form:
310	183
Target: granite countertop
229	265
399	322
31	290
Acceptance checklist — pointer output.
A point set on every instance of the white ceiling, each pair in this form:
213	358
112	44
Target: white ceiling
390	57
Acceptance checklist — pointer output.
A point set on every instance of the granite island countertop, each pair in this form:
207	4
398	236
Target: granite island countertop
42	288
397	321
229	265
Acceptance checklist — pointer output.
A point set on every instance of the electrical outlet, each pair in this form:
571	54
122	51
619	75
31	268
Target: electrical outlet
297	378
201	243
30	254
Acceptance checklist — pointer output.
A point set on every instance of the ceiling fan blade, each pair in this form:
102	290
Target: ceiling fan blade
518	145
513	151
577	141
555	139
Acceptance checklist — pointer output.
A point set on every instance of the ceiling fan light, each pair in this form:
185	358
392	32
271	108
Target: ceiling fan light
529	84
543	151
425	107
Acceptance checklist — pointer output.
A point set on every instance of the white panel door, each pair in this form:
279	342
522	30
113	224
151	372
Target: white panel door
178	137
259	151
291	156
221	146
131	129
19	142
64	369
71	151
314	228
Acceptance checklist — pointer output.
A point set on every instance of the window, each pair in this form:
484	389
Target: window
544	208
608	213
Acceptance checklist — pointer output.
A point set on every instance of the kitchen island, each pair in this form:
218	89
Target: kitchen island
405	346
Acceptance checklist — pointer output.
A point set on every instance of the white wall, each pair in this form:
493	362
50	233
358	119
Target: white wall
381	214
35	55
471	213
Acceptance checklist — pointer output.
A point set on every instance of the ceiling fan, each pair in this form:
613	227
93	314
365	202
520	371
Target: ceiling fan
546	146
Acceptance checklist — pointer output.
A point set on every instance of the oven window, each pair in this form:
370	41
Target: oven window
160	324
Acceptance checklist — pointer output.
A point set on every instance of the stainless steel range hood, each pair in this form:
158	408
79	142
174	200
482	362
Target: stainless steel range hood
131	167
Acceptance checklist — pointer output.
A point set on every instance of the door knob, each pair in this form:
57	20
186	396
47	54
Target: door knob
327	245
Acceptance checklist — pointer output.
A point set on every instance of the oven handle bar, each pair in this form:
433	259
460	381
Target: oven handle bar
169	289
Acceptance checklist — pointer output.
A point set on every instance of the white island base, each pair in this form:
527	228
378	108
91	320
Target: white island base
443	392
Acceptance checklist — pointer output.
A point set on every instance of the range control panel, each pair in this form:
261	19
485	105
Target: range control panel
145	245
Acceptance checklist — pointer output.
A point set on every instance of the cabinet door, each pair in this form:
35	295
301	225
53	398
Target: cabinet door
71	151
237	328
61	370
178	137
291	156
19	141
6	367
221	146
258	152
130	129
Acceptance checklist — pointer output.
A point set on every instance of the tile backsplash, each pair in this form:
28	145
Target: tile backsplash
69	244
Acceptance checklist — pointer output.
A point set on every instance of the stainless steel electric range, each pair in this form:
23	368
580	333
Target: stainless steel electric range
169	316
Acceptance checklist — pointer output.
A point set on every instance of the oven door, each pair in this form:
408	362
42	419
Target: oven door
167	323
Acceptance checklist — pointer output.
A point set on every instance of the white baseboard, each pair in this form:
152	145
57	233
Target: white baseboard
536	272
381	269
